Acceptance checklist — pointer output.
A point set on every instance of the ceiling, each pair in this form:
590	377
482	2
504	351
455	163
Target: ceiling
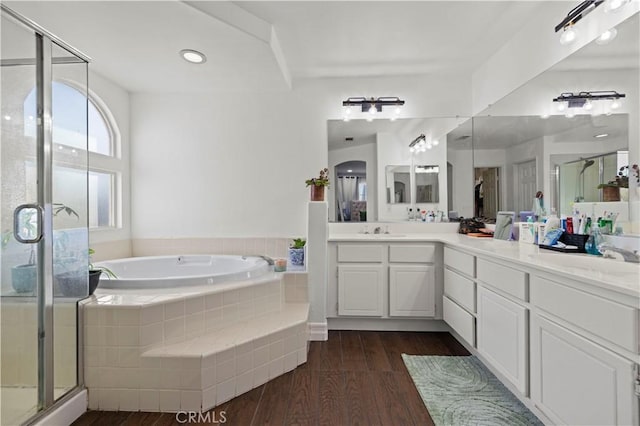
266	45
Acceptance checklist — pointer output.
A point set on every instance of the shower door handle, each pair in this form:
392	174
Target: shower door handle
25	231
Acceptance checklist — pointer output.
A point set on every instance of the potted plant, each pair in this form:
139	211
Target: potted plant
612	190
296	251
95	272
317	185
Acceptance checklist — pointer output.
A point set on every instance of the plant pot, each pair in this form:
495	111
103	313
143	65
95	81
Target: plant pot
317	193
94	280
24	278
296	256
611	193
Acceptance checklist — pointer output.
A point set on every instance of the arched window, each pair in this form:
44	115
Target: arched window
69	136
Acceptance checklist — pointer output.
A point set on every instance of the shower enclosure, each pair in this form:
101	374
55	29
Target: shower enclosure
43	218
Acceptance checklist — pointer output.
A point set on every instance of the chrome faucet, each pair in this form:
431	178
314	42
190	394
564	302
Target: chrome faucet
377	230
269	260
627	255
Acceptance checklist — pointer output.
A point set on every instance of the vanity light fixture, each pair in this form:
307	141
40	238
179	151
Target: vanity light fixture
569	33
193	56
585	100
614	5
372	106
420	144
607	36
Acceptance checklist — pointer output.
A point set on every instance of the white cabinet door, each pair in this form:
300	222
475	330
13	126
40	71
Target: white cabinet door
575	381
502	336
412	291
360	290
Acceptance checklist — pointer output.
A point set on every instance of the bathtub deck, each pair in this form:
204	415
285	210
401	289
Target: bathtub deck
356	377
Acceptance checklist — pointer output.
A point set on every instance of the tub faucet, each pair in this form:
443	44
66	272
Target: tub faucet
269	260
377	230
627	255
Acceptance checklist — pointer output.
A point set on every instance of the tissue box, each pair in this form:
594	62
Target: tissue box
527	233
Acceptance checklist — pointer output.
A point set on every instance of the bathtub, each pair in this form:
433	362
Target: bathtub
180	271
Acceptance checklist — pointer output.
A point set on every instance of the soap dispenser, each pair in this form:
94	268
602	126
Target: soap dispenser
595	239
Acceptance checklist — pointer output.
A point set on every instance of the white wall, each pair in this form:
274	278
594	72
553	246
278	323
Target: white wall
364	152
234	164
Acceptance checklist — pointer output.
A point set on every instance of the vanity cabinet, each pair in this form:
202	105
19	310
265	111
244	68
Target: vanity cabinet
459	301
576	382
502	336
582	347
502	320
385	280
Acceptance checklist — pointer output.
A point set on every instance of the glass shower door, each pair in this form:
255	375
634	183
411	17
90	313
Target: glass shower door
43	218
19	261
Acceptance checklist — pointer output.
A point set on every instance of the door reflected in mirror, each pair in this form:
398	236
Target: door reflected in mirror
427	184
351	191
398	183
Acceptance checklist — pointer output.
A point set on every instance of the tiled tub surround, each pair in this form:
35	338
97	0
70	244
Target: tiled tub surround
195	349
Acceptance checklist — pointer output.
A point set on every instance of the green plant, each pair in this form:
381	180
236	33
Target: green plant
108	272
298	243
321	180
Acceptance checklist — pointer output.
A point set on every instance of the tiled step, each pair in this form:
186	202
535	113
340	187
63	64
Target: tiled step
212	368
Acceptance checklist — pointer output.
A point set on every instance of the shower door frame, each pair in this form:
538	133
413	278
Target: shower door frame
44	153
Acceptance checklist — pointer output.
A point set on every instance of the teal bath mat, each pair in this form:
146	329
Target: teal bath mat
459	390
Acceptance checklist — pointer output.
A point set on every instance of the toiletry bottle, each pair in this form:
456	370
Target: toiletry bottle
595	239
410	214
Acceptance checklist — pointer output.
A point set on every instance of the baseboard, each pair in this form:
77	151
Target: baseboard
318	331
68	412
376	324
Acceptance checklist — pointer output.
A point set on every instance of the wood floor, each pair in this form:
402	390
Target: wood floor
354	378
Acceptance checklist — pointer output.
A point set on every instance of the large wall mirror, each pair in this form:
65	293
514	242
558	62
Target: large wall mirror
397	179
524	144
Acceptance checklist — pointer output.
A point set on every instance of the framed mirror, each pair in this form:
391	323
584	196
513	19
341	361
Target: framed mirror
426	178
504	226
398	184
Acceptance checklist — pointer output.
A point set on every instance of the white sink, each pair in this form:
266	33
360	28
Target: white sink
588	263
382	236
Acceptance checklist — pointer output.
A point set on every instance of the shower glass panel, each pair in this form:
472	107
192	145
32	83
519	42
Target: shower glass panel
43	159
19	275
70	223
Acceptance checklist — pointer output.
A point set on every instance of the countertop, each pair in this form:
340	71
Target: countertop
611	274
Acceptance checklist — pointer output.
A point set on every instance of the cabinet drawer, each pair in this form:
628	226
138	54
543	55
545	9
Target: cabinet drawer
412	253
509	280
460	289
611	321
460	320
360	253
462	262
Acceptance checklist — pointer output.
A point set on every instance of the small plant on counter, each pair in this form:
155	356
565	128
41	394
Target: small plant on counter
298	243
321	180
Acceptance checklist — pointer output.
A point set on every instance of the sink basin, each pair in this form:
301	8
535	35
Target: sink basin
382	236
587	263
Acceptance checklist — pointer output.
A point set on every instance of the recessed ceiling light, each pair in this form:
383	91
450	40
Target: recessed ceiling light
193	56
601	135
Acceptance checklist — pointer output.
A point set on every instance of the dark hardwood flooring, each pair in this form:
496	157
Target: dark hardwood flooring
354	378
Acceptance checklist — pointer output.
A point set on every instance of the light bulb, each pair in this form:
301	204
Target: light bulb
346	118
561	106
394	118
615	104
7	117
544	116
397	110
411	149
429	145
607	36
423	149
568	36
614	5
436	142
369	119
347	110
372	110
588	106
